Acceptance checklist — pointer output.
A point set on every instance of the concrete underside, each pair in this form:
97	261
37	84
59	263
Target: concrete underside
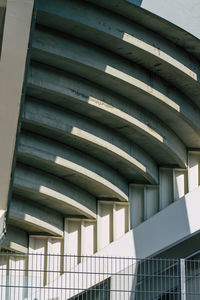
108	101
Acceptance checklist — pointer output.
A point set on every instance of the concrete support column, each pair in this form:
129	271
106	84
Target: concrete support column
12	67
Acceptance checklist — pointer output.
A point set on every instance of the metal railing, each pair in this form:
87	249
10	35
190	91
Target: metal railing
60	277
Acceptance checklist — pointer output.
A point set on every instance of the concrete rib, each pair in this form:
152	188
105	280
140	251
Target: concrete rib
116	112
120	36
117	74
75	130
68	163
53	192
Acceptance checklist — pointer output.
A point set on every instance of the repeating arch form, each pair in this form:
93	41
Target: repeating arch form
121	36
111	108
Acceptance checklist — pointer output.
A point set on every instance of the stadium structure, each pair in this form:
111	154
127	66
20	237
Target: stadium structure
100	127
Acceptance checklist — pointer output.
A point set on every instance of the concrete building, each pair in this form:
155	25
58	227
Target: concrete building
100	127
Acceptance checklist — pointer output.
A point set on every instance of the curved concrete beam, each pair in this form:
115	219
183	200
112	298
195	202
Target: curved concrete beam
116	73
118	113
93	138
156	23
125	38
54	193
82	170
16	240
35	218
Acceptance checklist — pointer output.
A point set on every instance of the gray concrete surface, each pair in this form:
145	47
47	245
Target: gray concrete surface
128	39
53	192
112	97
72	165
110	109
92	138
35	218
129	80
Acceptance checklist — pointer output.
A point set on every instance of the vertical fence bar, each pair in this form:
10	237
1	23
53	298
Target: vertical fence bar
182	279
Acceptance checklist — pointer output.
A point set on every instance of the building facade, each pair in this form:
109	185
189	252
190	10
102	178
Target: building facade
100	127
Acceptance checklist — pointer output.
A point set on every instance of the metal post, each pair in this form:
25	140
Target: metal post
182	279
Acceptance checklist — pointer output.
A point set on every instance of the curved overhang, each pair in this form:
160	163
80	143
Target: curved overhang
70	164
111	95
16	240
117	112
55	193
117	74
92	138
33	218
188	38
128	39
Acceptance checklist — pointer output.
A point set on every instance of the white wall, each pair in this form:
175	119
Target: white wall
144	203
12	274
193	170
112	222
12	65
180	183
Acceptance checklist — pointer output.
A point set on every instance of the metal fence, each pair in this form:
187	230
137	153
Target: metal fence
61	277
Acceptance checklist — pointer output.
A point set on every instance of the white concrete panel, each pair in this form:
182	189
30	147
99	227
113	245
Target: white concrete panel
73	237
38	245
55	246
176	222
89	239
180	183
55	263
193	170
105	224
17	278
136	200
37	263
120	220
166	187
151	201
72	242
12	66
